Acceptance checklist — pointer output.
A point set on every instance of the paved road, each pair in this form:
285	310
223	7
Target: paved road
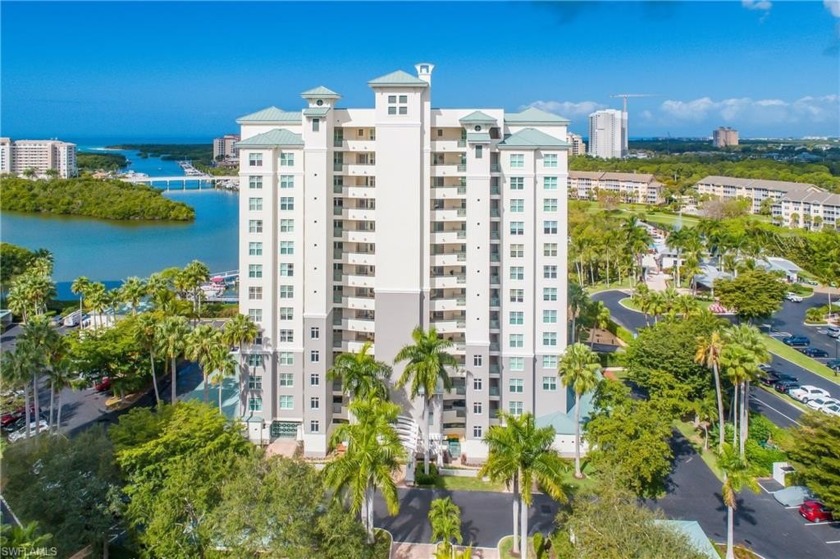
791	319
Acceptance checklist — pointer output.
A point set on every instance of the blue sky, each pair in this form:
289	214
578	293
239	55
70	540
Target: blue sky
160	70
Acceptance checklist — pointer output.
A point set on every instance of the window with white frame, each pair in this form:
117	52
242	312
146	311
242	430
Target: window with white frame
516	340
516	385
550	160
314	426
398	104
549	339
549	361
287	159
550	227
314	403
517	160
517	272
550	383
549	293
549	317
314	356
316	124
255	293
477	432
550	272
479	152
254	382
255	249
517	205
314	333
287	270
549	183
255	204
287	402
516	408
287	291
286	379
477	360
477	408
286	358
254	270
287	336
314	379
287	225
549	204
517	364
517	228
255	226
516	318
287	247
517	251
287	181
254	360
287	203
549	249
478	384
517	183
254	403
517	295
287	313
255	183
255	160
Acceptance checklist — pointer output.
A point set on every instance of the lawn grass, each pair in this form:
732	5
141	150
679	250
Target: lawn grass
776	347
686	428
506	545
669	219
615	285
455	483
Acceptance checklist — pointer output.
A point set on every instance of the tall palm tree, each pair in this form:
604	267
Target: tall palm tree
79	287
196	274
601	320
223	365
145	331
361	375
520	454
132	292
158	287
427	366
171	337
55	351
738	364
370	461
577	300
238	331
445	518
42	337
62	375
736	476
708	353
97	297
201	342
748	337
15	367
578	369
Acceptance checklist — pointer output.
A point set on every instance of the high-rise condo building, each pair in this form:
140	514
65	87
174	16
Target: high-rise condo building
224	147
608	134
725	137
576	144
359	224
19	157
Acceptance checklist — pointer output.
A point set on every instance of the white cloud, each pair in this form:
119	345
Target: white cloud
832	6
567	109
756	112
763	5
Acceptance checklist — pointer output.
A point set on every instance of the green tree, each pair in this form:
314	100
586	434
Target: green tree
79	287
223	365
816	451
708	353
26	539
361	375
47	344
370	461
145	331
132	292
171	338
427	366
519	454
750	339
196	274
736	477
445	518
15	368
200	343
238	332
577	301
753	294
578	370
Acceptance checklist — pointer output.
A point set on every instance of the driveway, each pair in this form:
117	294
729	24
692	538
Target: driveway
791	318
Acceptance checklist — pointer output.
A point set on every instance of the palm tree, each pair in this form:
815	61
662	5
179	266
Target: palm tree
445	518
748	337
601	320
42	337
370	461
132	292
171	336
97	297
578	369
520	454
737	363
705	413
427	366
57	367
736	476
158	288
641	298
14	371
238	331
708	354
145	330
196	273
223	365
201	342
577	301
61	376
80	287
361	375
24	539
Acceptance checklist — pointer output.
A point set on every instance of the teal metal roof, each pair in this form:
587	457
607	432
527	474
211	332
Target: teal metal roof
478	137
320	91
398	78
564	423
279	137
534	116
271	114
316	111
477	116
692	530
532	138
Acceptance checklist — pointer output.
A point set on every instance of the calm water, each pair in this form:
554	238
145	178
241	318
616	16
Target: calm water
111	251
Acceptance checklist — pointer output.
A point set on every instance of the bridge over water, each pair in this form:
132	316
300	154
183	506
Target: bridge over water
187	182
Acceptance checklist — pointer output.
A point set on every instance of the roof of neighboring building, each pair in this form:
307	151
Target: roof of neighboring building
316	111
564	423
320	91
629	177
272	138
781	186
271	114
478	137
477	116
709	274
781	264
398	78
694	532
532	115
585	174
532	138
813	197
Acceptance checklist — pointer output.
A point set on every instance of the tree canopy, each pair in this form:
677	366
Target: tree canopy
753	293
816	452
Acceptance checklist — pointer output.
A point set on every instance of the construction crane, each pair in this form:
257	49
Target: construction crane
626	95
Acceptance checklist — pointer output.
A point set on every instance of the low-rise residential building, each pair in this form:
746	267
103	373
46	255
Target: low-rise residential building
22	157
792	204
633	188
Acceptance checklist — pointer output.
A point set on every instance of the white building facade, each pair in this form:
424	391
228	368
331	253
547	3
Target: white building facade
38	156
224	147
358	225
631	188
608	134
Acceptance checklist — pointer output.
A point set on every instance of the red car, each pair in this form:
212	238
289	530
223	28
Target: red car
815	511
103	384
11	417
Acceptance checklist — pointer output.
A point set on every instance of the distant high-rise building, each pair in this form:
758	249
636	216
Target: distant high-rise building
224	148
576	143
38	156
608	134
725	137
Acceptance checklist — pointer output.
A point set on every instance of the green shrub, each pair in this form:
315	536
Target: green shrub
420	477
761	429
762	458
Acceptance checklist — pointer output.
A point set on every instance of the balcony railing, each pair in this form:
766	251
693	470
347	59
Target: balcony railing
462	143
495	168
494	301
462	168
494	369
494	212
495	236
493	391
462	190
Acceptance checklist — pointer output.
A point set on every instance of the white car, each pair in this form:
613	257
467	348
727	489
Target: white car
820	402
793	297
34	427
807	392
831	409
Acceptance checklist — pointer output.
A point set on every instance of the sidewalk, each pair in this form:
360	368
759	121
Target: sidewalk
402	550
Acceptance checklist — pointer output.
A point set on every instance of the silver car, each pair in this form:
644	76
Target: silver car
35	427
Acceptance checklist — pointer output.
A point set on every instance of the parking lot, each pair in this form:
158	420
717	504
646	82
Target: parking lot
828	532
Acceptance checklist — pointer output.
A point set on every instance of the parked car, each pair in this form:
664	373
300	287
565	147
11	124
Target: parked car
793	496
808	392
814	352
831	409
815	511
785	386
771	378
103	384
833	364
796	341
793	297
820	402
833	331
35	427
9	419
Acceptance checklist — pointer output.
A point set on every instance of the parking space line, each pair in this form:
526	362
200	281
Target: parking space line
822	523
835	541
778	411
